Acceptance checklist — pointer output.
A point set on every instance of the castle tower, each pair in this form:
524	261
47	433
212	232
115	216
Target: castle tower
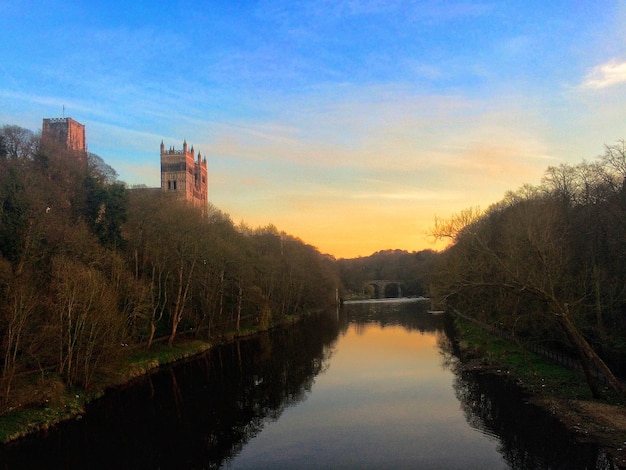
66	132
182	175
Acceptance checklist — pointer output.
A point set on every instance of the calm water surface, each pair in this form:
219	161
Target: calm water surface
374	385
386	400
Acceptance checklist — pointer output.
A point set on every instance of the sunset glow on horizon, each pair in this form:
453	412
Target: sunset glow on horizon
348	124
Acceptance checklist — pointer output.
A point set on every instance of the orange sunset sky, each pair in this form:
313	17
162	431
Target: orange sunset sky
349	124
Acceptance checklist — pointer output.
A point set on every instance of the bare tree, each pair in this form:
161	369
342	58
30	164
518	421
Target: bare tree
89	329
525	249
562	182
21	303
614	158
18	142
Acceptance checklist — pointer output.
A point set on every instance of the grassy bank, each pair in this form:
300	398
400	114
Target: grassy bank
42	399
537	374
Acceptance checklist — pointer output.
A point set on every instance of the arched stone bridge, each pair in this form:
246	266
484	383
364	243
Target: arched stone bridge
382	288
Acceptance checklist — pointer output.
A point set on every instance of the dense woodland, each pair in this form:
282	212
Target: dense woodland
90	269
547	264
413	271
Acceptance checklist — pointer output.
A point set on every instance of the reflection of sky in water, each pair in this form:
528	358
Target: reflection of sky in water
385	401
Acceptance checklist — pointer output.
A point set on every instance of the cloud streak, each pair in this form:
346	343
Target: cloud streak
609	74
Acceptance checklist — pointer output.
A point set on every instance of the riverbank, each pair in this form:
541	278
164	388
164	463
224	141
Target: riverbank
44	401
559	391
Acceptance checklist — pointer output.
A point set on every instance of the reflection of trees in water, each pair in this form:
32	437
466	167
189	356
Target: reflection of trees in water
277	372
528	437
413	316
196	414
201	413
446	350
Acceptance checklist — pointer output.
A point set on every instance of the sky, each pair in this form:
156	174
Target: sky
350	124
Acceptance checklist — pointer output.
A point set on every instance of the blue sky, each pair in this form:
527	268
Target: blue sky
350	124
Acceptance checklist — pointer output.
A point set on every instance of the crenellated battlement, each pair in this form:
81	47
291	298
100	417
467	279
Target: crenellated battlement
173	151
183	175
65	131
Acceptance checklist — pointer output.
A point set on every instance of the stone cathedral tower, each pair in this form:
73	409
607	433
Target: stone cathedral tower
183	175
66	132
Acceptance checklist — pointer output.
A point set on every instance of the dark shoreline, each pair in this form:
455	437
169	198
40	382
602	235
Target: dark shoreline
36	418
587	421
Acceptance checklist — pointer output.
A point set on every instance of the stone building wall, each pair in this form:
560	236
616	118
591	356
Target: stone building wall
65	131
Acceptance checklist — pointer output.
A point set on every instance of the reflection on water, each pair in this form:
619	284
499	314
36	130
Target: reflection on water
528	438
371	386
384	402
194	415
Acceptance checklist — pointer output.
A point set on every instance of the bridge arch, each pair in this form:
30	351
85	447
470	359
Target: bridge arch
385	288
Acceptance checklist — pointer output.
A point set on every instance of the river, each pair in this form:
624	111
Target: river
373	385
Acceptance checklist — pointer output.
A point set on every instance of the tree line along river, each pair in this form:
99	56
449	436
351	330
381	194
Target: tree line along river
372	385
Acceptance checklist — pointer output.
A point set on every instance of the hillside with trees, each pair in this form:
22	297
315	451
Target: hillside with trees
412	269
90	270
547	264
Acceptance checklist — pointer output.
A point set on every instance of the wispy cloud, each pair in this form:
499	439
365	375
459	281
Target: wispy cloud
606	75
425	195
350	123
